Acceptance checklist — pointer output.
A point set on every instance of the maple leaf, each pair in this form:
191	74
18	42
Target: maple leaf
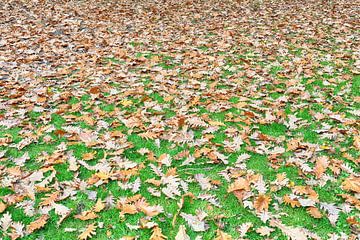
37	224
157	234
181	235
220	235
261	203
89	232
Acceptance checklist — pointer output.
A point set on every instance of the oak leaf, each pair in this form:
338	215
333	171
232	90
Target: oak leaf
157	234
89	232
38	223
261	203
220	235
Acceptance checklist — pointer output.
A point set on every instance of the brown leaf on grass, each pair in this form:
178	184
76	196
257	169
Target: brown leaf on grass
99	206
89	156
314	212
321	165
352	183
38	223
290	201
128	209
86	215
261	203
239	184
50	198
181	235
220	235
148	135
2	207
292	233
264	231
89	232
157	234
356	142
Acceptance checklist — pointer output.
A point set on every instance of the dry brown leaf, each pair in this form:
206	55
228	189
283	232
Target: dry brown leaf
220	235
292	202
89	156
357	142
148	135
157	234
37	224
2	207
314	212
239	184
261	203
86	215
352	184
99	206
181	235
51	198
264	231
128	209
292	233
321	165
89	232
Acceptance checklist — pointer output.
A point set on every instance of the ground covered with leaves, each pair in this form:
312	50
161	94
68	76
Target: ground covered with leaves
179	119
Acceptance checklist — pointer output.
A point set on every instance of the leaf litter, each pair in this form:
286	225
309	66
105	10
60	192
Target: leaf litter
180	120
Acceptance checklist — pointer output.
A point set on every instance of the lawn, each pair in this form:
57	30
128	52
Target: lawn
179	120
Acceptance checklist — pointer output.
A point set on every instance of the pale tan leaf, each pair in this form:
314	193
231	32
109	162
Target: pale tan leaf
181	235
38	223
89	232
